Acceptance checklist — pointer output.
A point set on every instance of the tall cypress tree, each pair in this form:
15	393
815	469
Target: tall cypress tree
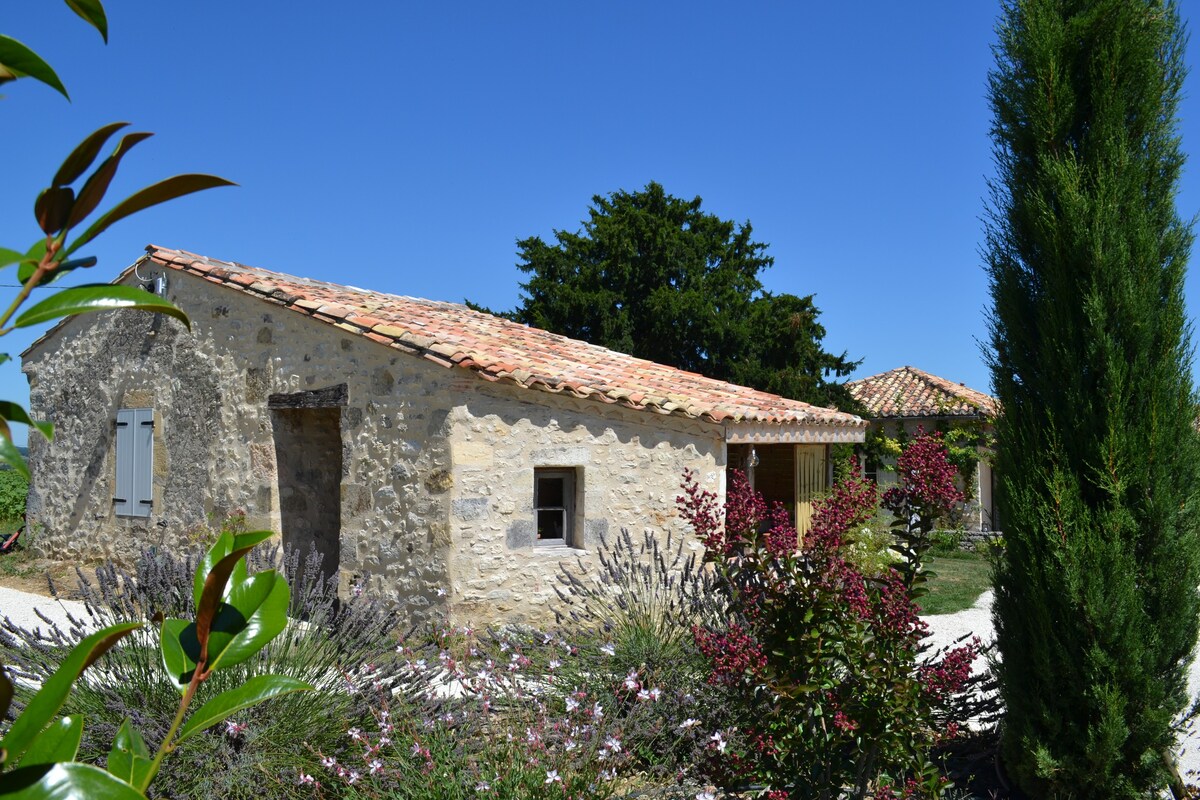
1096	597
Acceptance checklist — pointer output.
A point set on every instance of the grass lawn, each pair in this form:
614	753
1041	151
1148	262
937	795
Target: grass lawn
961	578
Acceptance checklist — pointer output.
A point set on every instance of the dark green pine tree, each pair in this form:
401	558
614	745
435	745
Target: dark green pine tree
1096	596
658	277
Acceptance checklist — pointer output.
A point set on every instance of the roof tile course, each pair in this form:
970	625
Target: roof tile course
498	349
910	392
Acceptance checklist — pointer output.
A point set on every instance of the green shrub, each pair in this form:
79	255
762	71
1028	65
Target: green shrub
946	542
14	488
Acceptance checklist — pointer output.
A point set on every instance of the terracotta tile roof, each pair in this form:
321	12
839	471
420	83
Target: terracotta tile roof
496	349
910	392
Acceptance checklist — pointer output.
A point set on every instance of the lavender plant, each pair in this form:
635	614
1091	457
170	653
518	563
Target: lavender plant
259	751
632	618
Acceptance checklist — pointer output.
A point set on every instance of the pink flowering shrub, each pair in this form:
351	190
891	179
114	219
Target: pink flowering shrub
825	694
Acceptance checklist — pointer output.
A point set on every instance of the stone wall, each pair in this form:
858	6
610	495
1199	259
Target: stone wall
627	468
215	448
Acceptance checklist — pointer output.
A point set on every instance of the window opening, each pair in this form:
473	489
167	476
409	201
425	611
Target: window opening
554	505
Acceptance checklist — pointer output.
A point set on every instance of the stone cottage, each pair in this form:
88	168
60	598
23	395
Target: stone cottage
453	457
902	400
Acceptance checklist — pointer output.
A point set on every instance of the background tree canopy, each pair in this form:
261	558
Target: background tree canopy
655	276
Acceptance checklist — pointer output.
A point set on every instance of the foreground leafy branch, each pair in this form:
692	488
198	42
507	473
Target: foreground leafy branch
61	207
237	615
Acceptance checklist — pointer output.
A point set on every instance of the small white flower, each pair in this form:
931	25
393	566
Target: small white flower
598	711
631	681
355	735
706	796
655	693
719	741
613	744
353	777
572	704
643	695
554	664
688	723
482	786
552	776
441	592
329	762
307	779
608	649
376	766
569	745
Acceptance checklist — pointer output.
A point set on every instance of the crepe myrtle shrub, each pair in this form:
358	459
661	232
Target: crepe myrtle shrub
236	615
631	614
826	693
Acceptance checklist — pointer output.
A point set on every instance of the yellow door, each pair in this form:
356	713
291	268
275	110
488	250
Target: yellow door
810	483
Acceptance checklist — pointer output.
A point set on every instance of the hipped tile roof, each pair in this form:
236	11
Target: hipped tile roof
910	392
497	349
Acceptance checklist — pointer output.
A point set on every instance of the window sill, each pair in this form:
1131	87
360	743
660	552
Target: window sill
556	548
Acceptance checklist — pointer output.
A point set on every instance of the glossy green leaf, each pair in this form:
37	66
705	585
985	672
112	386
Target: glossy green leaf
92	12
9	454
21	60
9	257
96	297
85	153
255	614
95	187
13	412
129	759
49	699
175	660
53	207
152	195
225	545
68	781
59	742
250	693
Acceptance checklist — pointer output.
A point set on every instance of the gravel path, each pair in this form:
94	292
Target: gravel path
18	606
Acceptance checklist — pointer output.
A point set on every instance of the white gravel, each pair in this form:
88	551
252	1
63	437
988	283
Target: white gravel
18	606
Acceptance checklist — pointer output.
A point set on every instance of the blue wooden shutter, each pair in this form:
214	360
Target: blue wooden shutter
134	494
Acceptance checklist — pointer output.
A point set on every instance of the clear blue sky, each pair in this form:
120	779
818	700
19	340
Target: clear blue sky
405	147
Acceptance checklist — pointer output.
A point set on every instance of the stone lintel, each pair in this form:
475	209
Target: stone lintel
329	397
